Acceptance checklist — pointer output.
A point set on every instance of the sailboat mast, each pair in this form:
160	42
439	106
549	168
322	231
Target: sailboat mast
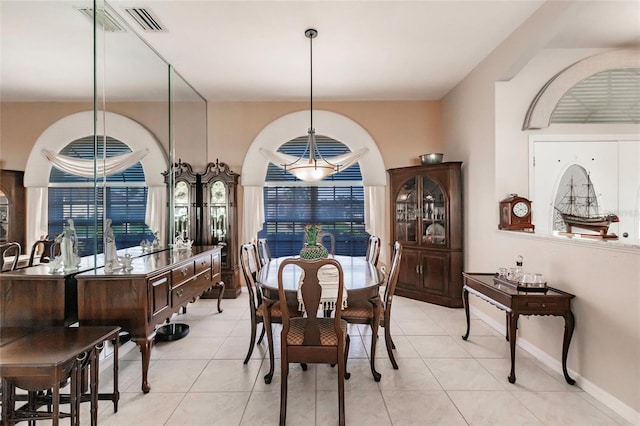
588	201
571	197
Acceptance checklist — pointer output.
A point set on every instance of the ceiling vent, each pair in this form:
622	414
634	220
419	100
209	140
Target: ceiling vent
103	18
146	19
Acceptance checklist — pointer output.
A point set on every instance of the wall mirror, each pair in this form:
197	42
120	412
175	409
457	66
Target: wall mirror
188	143
125	89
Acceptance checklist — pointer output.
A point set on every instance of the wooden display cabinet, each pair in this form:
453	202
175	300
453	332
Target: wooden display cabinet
220	219
426	218
205	211
13	208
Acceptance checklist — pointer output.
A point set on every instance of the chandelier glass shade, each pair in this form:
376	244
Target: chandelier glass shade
311	166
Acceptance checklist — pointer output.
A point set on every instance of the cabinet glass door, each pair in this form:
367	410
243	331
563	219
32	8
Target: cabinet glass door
4	217
219	216
434	218
407	212
181	210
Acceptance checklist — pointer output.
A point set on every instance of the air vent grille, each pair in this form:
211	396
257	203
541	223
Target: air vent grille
146	19
103	18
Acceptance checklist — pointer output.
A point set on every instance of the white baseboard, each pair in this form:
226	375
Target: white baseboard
619	407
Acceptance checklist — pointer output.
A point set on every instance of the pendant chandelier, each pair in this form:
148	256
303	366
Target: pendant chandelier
311	166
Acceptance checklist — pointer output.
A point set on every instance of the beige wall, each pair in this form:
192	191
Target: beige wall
22	123
482	118
402	130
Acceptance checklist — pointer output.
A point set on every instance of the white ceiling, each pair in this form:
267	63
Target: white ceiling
256	50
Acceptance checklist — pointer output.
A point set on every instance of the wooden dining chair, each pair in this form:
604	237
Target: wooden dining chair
44	249
263	251
312	339
373	250
332	241
378	313
320	240
262	312
10	255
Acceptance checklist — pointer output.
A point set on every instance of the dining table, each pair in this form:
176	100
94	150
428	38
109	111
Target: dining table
362	281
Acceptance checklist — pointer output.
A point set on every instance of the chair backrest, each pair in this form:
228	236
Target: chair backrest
373	250
311	290
47	248
332	241
392	278
248	259
10	254
263	251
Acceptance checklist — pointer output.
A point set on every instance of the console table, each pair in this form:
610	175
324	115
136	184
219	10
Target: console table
516	302
159	285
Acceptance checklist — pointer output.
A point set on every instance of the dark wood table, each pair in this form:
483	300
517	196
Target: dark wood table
158	285
515	302
42	359
362	280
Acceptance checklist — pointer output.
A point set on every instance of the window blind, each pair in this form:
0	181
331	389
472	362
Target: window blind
611	96
123	199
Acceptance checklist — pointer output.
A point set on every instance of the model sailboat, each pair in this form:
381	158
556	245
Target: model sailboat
579	208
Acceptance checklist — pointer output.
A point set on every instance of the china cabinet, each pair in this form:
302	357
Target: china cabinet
426	218
205	211
12	207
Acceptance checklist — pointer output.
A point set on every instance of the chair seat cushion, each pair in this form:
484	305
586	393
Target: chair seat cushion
328	335
276	312
361	310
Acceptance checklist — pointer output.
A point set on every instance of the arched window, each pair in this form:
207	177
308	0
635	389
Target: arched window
611	96
123	135
122	198
603	88
336	204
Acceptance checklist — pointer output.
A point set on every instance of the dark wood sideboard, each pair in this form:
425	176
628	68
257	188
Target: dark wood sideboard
159	285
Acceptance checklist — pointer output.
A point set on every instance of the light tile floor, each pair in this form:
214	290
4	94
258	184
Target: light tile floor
442	380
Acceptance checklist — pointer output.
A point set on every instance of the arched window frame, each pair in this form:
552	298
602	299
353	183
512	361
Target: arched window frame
335	126
81	124
539	114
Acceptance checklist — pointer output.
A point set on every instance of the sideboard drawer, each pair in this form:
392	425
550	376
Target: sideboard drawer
182	273
203	263
182	294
